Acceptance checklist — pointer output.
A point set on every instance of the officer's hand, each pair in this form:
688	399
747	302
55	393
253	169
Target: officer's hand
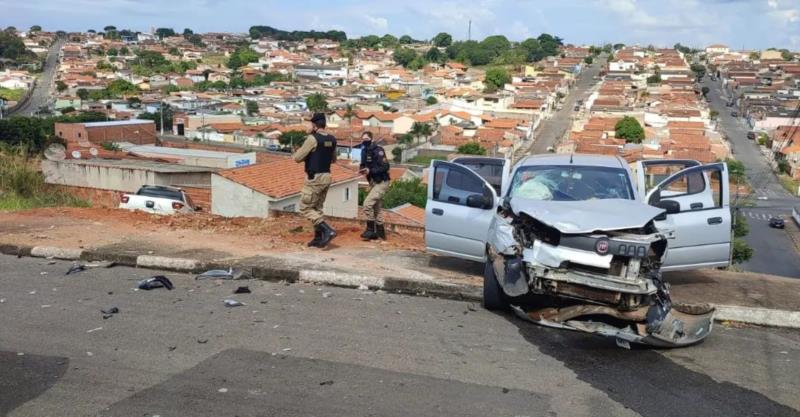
364	171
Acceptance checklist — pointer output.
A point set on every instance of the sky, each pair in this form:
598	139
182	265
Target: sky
740	24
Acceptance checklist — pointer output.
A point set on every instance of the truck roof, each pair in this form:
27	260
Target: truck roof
558	159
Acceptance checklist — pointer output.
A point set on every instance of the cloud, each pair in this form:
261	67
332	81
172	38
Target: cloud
377	23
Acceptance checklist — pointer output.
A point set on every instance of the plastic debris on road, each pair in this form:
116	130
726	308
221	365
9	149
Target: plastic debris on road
221	274
233	303
76	267
158	281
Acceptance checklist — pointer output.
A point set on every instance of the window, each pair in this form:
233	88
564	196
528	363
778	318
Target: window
453	184
347	194
571	183
289	208
79	134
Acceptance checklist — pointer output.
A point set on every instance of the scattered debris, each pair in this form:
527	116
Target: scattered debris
43	273
2	300
221	274
202	341
171	348
222	390
286	349
46	306
471	307
89	354
51	263
242	290
329	382
157	281
363	287
20	353
76	267
506	390
94	330
326	295
110	310
32	292
233	303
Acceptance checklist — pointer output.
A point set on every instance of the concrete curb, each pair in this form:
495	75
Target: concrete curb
748	315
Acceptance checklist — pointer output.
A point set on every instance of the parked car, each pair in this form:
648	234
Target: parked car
751	135
158	199
273	147
588	237
734	114
577	108
777	223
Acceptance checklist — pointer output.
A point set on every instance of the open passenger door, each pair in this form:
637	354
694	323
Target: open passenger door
697	221
460	208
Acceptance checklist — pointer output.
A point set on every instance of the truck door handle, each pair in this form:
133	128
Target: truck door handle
715	220
696	206
437	211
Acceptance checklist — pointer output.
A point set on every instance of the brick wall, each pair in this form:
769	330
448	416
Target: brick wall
140	134
201	196
98	197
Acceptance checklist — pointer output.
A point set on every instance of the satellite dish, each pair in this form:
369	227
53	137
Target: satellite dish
76	154
93	151
55	152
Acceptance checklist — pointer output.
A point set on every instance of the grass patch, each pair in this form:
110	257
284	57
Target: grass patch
789	184
215	59
425	159
12	94
22	186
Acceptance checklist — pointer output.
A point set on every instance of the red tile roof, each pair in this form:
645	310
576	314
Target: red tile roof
411	212
281	178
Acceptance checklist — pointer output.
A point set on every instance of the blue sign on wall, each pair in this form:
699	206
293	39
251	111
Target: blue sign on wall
242	163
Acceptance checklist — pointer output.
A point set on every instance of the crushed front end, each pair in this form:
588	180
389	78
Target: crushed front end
598	281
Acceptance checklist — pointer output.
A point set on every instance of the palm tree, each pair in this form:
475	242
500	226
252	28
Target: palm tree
421	129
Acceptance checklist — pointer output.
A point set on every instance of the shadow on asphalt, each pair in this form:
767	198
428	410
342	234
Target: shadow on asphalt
25	377
644	380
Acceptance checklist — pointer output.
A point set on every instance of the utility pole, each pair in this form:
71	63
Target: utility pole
469	31
161	107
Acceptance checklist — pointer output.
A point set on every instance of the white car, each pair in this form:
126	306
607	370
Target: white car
587	236
158	199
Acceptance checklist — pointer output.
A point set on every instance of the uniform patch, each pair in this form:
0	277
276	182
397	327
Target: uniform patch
328	144
381	153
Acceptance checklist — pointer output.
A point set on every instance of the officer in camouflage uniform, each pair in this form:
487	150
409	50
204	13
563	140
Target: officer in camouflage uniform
318	153
375	165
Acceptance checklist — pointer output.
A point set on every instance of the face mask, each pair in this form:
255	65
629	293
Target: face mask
366	142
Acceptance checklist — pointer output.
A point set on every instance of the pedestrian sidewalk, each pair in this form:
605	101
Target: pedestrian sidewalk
275	249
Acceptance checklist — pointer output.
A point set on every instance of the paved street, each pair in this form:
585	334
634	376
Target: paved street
774	251
554	128
44	85
299	350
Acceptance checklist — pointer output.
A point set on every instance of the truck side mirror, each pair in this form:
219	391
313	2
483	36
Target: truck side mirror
479	201
671	206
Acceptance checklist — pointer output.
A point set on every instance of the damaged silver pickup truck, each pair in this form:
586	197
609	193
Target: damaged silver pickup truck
580	241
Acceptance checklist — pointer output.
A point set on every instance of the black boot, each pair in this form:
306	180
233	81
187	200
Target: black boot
370	233
380	231
327	235
317	237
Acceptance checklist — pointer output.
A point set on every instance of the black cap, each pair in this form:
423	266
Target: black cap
317	117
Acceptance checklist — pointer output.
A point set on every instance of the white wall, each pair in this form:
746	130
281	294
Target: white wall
230	199
335	203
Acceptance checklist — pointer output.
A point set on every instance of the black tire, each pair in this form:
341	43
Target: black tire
493	296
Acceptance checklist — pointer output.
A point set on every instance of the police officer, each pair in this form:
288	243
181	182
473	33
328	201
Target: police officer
318	152
375	166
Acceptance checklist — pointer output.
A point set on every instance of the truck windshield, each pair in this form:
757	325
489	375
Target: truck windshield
571	183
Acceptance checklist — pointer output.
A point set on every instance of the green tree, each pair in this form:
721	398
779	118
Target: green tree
36	28
431	100
435	55
124	50
242	57
187	33
588	60
61	86
471	148
317	103
156	117
628	128
740	226
736	170
82	93
654	79
496	78
112	52
443	40
741	251
705	90
419	129
292	138
754	56
174	51
786	55
404	192
252	107
164	32
495	45
68	109
404	56
405	40
713	114
699	70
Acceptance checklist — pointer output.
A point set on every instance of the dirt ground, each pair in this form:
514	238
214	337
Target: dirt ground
94	227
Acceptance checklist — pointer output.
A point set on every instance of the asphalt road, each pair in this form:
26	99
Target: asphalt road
773	249
42	91
554	128
301	350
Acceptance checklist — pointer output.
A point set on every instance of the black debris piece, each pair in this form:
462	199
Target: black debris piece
329	382
110	310
75	268
242	290
157	281
202	341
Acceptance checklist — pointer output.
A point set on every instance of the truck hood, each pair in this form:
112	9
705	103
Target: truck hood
587	216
